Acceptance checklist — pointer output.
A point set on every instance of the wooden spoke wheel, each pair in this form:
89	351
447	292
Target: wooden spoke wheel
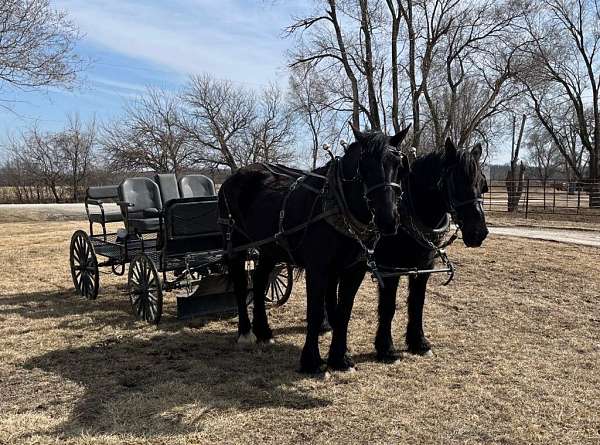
145	291
280	284
84	265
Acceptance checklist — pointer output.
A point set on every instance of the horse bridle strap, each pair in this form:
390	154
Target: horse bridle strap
392	185
453	204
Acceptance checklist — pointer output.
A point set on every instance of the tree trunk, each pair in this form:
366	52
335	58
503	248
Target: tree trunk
594	183
514	179
365	24
514	188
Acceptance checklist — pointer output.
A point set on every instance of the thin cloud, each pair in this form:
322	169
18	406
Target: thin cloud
233	39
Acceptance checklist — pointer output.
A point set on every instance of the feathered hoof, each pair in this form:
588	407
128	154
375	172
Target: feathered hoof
246	339
343	364
267	342
427	354
390	357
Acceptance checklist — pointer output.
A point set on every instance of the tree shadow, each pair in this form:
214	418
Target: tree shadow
166	384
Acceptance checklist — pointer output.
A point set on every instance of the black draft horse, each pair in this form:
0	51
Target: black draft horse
258	202
448	181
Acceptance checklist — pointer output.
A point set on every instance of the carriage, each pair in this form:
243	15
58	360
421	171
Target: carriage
170	238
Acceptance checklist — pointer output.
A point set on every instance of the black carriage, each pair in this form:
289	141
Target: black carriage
171	241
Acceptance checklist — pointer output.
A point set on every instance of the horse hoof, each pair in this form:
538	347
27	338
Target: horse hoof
324	375
246	339
427	354
268	341
390	358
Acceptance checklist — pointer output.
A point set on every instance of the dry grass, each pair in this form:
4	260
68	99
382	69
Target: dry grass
516	338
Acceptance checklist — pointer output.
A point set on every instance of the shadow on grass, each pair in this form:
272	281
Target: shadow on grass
170	380
168	383
111	308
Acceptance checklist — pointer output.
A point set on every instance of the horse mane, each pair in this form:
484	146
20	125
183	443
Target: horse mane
430	165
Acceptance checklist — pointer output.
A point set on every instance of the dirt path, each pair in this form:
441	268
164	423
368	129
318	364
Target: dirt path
580	237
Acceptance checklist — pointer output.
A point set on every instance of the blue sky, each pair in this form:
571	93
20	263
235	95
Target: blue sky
133	44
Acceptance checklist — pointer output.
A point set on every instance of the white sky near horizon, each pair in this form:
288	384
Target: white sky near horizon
133	44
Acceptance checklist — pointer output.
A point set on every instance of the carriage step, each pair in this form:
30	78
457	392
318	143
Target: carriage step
213	297
214	305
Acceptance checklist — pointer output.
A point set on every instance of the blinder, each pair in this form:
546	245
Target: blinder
451	201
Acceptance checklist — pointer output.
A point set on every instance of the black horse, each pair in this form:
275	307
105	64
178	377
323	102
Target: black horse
316	221
444	182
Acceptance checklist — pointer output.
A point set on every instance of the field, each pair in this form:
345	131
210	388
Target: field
516	340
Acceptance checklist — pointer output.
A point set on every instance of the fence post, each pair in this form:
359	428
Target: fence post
578	198
544	195
527	200
554	196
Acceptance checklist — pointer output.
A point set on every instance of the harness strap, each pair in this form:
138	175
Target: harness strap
287	232
383	185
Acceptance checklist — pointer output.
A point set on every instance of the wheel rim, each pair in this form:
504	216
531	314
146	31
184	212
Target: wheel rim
84	266
145	290
280	284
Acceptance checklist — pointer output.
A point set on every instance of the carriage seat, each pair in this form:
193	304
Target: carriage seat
191	226
167	183
141	204
98	196
196	186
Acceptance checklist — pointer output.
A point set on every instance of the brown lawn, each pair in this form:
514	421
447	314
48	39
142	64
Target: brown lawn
517	359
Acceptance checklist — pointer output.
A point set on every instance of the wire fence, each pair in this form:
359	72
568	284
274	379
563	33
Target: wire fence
536	196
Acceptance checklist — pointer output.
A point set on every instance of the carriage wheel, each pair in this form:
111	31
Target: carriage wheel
84	265
145	291
281	281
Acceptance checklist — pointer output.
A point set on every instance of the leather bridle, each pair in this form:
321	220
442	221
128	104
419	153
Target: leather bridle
453	204
368	190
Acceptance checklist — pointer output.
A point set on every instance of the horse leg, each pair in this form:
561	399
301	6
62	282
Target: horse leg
330	305
415	338
350	281
237	273
316	287
260	278
384	345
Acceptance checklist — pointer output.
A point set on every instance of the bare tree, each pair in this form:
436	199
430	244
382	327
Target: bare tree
309	99
324	44
37	45
77	143
272	132
218	117
543	155
565	38
149	136
40	158
453	74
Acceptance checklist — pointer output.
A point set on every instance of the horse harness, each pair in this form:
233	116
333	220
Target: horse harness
431	238
338	215
335	210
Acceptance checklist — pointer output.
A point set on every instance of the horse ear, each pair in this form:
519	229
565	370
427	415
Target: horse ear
358	135
477	151
450	151
397	139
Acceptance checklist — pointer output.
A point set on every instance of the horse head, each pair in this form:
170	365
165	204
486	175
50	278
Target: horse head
462	183
378	164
